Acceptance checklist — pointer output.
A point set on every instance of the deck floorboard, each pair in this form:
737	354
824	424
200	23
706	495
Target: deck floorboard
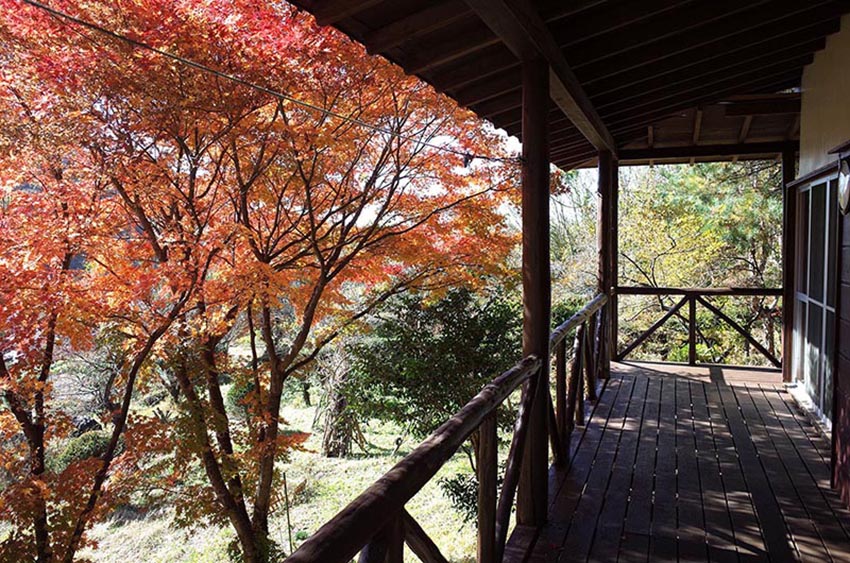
692	464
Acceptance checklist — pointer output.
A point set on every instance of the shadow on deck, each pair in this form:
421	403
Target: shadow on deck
692	464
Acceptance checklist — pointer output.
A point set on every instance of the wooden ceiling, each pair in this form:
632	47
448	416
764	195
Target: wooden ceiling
689	77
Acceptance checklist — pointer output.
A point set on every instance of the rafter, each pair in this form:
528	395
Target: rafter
745	128
721	80
329	12
527	36
704	151
454	42
691	20
632	125
415	25
697	126
677	52
745	61
612	18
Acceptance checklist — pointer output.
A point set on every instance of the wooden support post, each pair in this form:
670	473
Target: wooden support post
789	220
612	306
488	446
604	245
532	497
692	330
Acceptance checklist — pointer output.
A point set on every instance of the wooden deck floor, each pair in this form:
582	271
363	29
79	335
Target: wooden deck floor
692	464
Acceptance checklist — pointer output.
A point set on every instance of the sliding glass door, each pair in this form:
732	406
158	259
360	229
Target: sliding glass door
814	303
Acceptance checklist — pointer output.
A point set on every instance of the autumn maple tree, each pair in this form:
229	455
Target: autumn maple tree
283	183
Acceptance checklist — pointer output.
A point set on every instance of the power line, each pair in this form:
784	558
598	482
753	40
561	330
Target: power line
466	156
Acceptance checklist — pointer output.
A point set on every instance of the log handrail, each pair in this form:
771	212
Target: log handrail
582	316
338	540
704	291
690	297
376	522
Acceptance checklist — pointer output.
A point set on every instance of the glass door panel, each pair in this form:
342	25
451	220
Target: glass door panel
814	303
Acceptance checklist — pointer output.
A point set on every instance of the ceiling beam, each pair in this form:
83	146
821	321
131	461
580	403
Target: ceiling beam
610	18
526	35
689	20
790	105
454	42
554	10
697	126
488	62
721	79
610	76
329	12
709	58
491	108
415	25
707	151
719	39
634	124
727	64
745	129
508	81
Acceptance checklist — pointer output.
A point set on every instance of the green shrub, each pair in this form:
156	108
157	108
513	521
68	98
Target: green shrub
270	551
90	444
462	491
236	396
424	360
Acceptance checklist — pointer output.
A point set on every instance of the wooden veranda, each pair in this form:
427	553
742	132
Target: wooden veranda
678	463
672	464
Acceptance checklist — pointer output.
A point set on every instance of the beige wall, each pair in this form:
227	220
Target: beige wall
825	121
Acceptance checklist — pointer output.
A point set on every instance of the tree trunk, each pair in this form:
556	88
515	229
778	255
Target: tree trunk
268	431
337	438
234	507
42	538
305	392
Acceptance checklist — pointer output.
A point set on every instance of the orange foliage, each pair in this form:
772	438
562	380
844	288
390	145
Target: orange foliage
192	200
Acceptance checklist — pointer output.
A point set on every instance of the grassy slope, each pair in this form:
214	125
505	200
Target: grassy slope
329	484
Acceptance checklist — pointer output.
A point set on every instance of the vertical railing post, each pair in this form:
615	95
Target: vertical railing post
488	446
532	499
387	546
561	388
581	339
589	366
692	330
573	391
789	232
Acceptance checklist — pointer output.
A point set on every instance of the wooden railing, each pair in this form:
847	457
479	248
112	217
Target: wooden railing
588	365
376	523
691	297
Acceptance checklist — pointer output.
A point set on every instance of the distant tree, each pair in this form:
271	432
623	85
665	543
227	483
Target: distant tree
707	225
423	360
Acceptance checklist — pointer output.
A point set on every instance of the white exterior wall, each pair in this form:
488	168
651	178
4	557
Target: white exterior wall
825	119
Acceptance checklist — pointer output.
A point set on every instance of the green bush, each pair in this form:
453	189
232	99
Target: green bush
462	491
424	360
90	444
566	307
270	551
236	396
